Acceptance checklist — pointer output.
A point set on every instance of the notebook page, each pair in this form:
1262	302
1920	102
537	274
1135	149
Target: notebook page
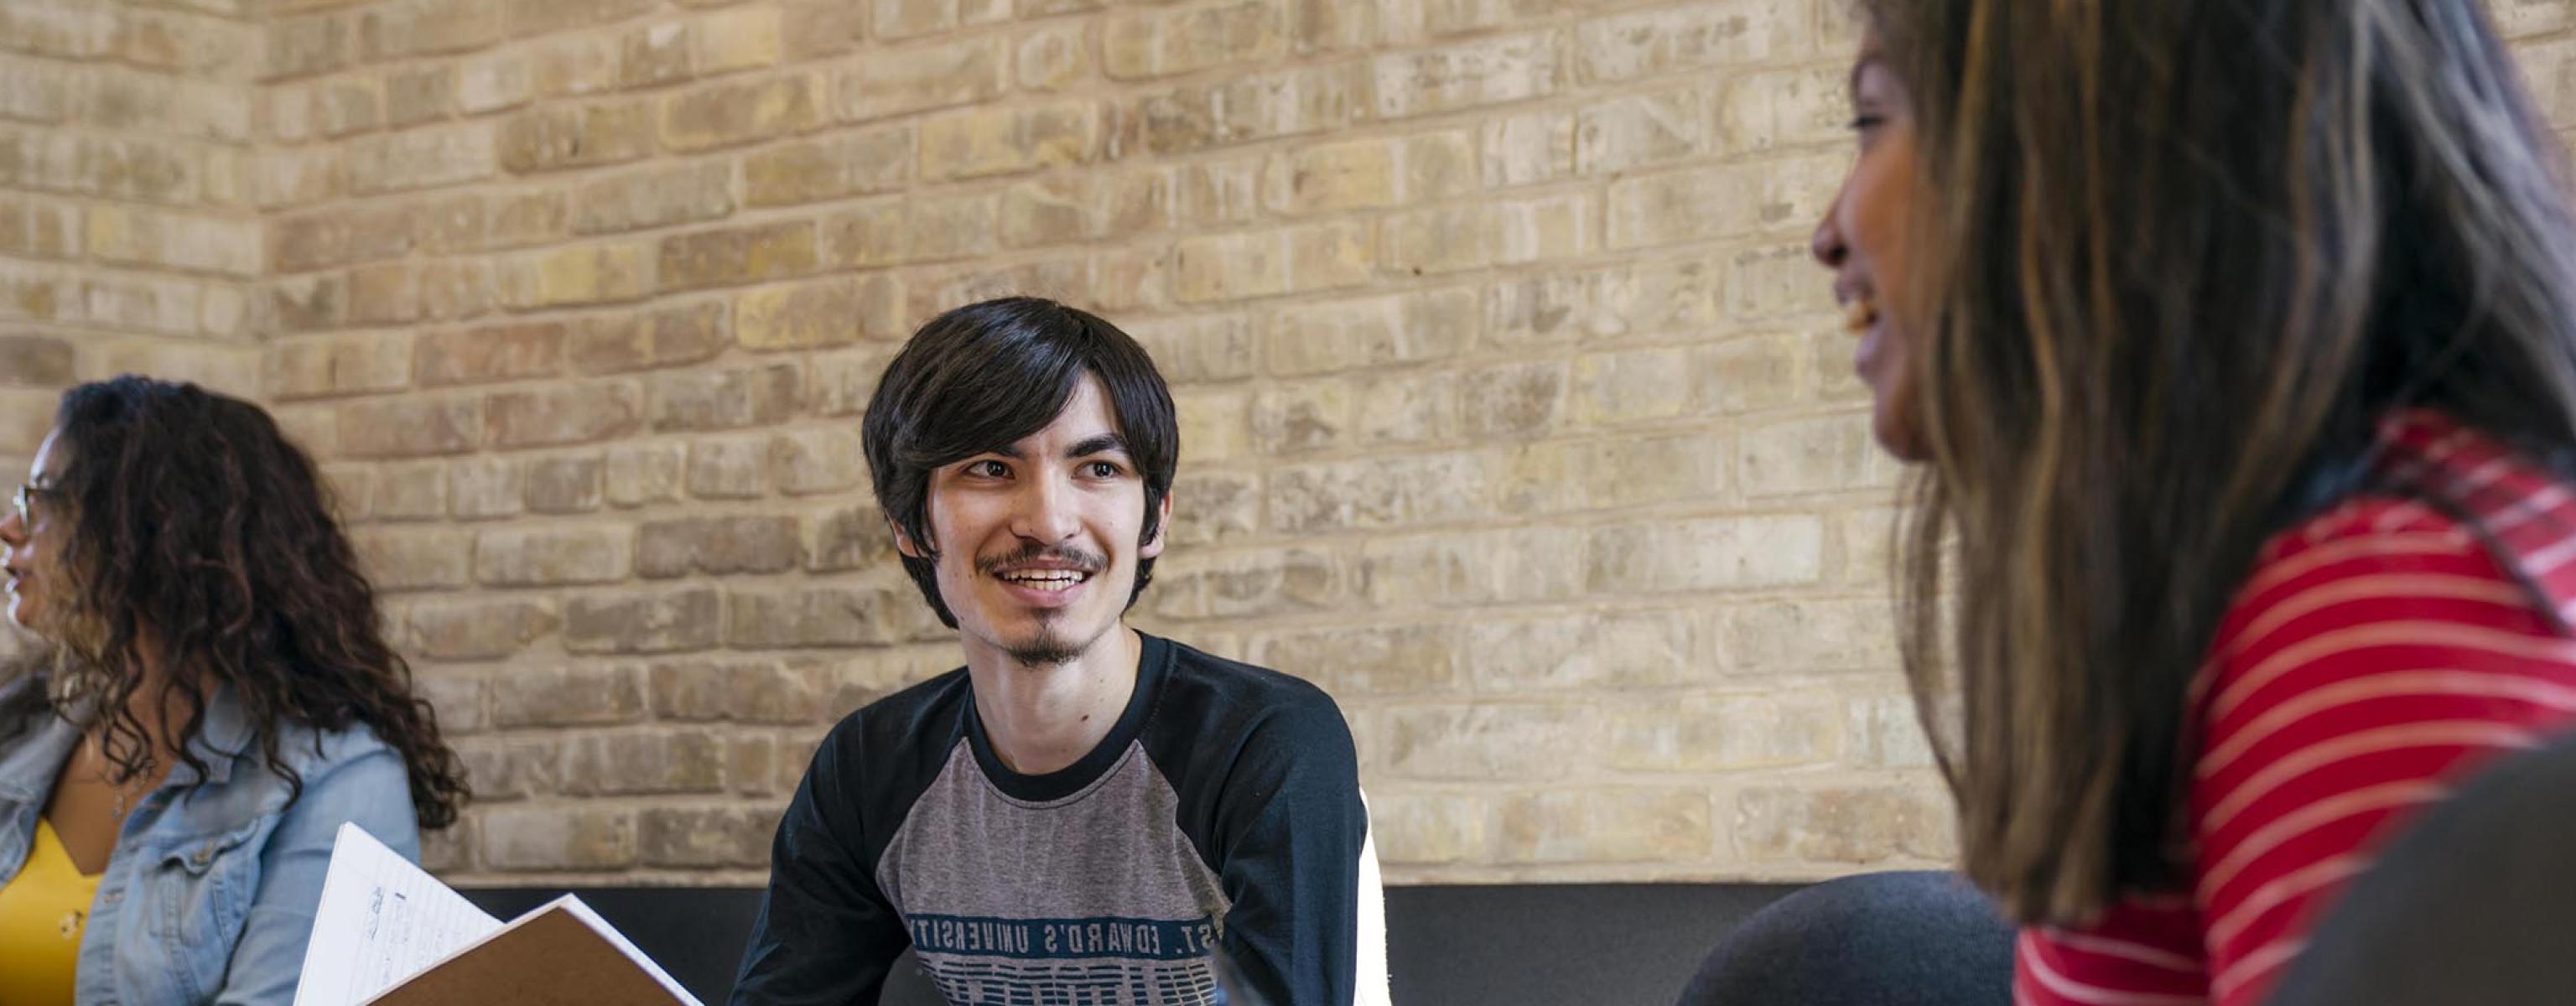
381	921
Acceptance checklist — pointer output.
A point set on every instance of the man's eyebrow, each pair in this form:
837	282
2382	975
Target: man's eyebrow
1102	444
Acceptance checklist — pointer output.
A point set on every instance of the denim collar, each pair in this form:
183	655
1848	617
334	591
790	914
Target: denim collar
28	768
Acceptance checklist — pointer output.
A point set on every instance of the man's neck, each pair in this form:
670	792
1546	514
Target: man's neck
1043	719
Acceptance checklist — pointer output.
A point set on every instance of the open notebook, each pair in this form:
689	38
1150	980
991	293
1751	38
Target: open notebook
388	933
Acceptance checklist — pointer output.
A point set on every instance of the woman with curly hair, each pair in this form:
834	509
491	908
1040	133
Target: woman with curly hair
219	699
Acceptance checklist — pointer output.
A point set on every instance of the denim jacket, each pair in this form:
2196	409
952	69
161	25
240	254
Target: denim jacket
209	895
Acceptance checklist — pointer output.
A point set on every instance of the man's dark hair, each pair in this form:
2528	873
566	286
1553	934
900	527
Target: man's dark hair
981	377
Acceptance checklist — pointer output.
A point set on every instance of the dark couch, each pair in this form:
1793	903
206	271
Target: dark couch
1526	945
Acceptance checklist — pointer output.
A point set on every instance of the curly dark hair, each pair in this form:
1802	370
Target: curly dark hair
199	530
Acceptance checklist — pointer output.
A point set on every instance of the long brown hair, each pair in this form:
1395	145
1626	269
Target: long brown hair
199	529
2188	253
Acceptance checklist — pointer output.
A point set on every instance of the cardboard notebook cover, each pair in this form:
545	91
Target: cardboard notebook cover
548	958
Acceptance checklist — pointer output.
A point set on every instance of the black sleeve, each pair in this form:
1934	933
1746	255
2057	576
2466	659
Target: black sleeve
825	935
1289	825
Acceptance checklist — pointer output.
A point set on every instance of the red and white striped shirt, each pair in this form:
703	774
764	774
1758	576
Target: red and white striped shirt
2378	654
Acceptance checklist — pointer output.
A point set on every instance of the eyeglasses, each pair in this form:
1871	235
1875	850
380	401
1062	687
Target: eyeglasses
25	500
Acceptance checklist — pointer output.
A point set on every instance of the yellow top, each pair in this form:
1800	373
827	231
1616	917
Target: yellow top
41	914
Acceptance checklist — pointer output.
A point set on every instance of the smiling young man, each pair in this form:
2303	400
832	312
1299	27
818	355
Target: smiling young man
1083	813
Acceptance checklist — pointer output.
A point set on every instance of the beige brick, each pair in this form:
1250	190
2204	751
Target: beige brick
1707	554
723	399
528	19
1641	130
736	112
510	219
458	697
586	274
732	468
1330	177
847	538
295	47
653	197
741	38
1561	476
866	162
1382	492
1052	57
737	255
1523	656
512	768
421	158
642	474
409	427
1783	108
426	27
491	353
1849	824
1374	331
1732	201
896	19
1301	418
653	54
479	629
136	236
403	559
1431	829
566	485
540	839
1242	585
818	460
1518	400
900	81
1262	106
1629	302
633	764
1199	349
487	487
1596	826
718	546
706	837
1231	267
333	365
826	616
35	361
985	142
666	337
548	557
554	137
563	414
1822	454
1764	284
170	172
1527	149
1756	372
1474	74
1486	742
819	314
741	691
493	82
575	65
1706	36
1781	639
1149	43
1868	544
1493	232
417	95
1214	507
1367	661
73	32
677	621
1208	194
1725	734
1882	731
903	231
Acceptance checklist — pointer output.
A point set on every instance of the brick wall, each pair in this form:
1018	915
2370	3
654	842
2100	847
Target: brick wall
1514	413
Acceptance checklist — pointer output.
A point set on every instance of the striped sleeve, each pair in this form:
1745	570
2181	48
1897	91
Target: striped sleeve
2374	657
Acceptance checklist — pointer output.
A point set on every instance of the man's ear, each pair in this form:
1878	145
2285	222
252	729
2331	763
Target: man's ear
903	543
1162	529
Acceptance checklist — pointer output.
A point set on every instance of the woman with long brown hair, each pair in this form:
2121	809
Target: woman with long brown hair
218	700
2235	343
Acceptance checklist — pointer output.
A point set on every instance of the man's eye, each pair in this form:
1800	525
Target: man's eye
987	469
1104	470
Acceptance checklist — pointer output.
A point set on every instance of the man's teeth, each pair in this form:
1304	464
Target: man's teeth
1050	580
1859	315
